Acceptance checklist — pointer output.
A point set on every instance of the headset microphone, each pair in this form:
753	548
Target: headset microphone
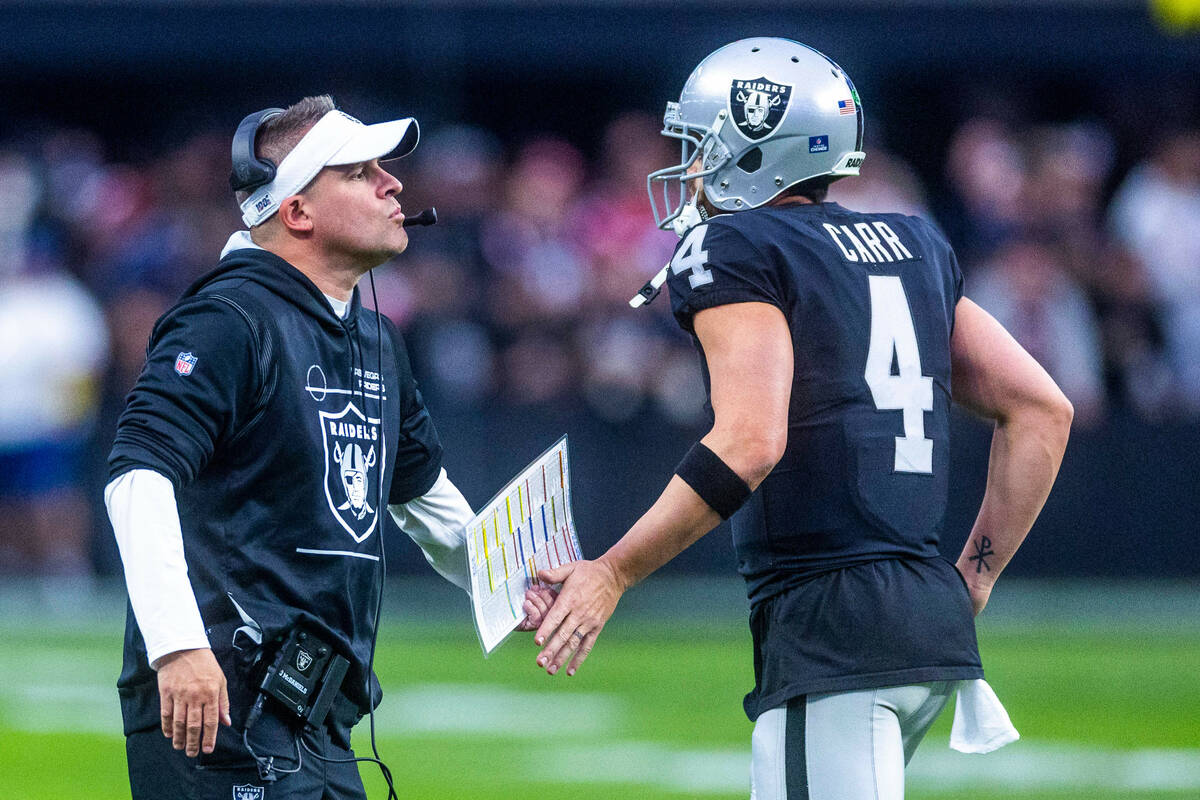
426	217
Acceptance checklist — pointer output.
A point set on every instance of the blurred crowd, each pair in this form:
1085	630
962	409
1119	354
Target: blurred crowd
518	298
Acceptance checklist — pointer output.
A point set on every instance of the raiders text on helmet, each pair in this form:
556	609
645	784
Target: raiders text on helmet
760	115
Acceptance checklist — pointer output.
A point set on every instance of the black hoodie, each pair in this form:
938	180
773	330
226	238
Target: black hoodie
264	409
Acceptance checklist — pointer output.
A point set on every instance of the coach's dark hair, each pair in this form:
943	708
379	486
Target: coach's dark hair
279	135
815	189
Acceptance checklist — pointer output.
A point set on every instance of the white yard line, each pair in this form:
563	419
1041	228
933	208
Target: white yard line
40	702
1041	766
36	702
497	711
1020	768
715	771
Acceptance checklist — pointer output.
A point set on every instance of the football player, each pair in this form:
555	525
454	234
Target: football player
831	343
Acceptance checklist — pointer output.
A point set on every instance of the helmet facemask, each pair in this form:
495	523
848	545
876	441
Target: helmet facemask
697	142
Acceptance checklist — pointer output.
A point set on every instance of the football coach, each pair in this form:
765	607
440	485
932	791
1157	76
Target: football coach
274	419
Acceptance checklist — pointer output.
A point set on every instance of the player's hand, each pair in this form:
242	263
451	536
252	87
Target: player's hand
588	598
978	590
538	600
193	696
979	597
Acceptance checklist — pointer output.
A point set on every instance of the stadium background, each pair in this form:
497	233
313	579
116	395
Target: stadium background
1056	142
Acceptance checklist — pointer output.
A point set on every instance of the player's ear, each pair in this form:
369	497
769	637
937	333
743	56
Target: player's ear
294	214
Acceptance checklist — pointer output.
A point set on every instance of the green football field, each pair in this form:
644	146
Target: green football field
1101	684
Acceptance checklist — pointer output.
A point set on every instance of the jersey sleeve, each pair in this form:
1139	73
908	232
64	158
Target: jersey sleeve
419	454
954	278
958	277
197	388
715	264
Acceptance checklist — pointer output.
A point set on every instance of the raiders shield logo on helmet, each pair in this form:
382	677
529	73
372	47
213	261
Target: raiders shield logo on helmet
758	105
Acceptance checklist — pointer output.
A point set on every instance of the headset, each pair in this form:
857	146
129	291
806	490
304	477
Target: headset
250	171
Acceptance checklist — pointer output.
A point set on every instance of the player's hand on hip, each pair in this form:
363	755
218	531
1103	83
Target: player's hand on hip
538	600
194	697
589	595
978	588
979	597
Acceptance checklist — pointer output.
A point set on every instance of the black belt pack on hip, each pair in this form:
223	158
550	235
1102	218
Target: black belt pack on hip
305	677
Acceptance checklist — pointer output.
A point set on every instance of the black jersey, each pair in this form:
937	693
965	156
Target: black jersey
869	300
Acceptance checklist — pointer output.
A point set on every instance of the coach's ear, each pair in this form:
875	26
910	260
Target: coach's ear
293	214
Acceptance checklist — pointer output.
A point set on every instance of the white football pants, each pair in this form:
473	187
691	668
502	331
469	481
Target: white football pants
843	745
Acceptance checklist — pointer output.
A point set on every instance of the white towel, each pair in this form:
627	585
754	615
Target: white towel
981	724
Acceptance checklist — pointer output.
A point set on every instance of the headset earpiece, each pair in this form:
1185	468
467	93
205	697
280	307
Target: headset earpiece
250	171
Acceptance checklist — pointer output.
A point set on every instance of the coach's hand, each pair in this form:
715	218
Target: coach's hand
538	600
588	598
193	696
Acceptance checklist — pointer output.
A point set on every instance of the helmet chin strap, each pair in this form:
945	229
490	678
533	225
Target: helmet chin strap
692	214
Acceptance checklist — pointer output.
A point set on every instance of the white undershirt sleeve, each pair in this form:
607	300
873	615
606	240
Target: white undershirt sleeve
141	506
437	522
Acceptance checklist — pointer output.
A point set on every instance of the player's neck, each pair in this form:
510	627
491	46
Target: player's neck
793	200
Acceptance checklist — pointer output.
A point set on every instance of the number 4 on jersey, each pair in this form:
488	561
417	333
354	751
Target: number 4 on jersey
691	255
892	334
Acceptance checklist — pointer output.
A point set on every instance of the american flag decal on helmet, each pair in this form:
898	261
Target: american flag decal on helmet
845	107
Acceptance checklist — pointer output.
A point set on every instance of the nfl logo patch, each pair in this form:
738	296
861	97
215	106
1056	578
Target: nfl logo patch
818	144
248	792
185	363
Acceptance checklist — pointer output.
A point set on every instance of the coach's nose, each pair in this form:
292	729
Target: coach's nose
392	186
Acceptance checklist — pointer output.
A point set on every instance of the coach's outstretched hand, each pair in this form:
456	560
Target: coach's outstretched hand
193	696
588	598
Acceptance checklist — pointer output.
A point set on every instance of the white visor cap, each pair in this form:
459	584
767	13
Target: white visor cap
335	140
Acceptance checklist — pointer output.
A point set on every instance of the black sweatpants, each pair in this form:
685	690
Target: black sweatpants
157	771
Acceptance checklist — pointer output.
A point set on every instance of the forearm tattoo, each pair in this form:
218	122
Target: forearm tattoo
982	551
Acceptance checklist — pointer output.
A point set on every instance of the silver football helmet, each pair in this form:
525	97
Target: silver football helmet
760	115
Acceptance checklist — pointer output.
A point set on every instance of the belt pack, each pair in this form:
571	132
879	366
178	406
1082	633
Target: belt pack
305	677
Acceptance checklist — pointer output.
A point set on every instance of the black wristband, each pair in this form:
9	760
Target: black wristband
712	479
